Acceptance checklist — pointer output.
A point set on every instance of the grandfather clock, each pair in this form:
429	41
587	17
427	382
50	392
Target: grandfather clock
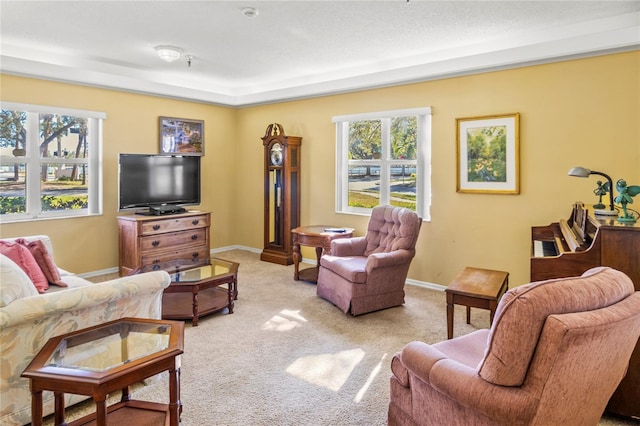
281	193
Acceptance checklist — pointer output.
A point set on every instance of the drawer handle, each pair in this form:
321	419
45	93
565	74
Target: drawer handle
195	222
194	237
155	267
194	255
155	243
156	227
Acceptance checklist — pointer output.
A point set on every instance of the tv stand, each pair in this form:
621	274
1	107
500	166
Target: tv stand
162	210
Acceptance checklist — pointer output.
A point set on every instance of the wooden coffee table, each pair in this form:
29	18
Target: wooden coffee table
199	291
475	288
320	237
107	358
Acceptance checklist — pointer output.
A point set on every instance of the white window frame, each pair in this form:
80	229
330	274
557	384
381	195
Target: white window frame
33	162
423	159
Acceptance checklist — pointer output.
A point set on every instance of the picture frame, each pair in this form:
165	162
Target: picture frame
488	152
181	136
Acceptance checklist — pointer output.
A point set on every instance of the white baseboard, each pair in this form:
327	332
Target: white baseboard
409	281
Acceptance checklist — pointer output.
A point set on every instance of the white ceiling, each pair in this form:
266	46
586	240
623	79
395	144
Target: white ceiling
297	49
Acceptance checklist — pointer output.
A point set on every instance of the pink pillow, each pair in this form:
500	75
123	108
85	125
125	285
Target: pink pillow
41	255
23	257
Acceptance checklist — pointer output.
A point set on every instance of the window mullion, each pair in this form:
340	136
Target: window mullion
32	166
385	169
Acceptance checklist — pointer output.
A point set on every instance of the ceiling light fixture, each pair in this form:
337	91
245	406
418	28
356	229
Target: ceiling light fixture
250	12
168	53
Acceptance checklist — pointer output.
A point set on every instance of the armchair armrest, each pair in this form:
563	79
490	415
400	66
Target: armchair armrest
393	258
419	358
348	247
463	384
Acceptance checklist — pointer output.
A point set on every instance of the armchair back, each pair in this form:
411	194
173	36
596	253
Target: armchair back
392	228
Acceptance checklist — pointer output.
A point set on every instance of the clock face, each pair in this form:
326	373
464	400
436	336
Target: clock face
276	154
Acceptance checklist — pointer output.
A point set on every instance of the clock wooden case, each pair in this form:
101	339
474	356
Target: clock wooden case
281	193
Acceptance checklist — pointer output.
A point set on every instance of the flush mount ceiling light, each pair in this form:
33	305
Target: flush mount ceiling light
168	53
250	12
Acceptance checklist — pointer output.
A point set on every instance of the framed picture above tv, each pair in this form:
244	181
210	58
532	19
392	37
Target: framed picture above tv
181	136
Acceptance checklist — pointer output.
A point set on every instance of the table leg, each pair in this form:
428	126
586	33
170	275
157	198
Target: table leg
101	411
319	251
194	321
230	296
296	258
235	287
468	315
36	408
126	394
59	408
449	316
174	389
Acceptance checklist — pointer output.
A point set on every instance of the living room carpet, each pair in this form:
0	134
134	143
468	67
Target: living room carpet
287	357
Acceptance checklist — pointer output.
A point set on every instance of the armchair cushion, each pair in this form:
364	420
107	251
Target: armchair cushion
351	268
509	349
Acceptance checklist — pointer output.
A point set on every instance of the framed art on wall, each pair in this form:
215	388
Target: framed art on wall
181	136
488	154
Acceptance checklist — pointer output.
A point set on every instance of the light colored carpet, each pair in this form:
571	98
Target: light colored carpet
287	357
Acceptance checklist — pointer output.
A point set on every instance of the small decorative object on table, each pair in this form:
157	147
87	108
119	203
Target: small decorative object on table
625	196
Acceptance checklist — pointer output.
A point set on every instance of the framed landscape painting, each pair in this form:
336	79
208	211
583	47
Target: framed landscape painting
488	154
181	136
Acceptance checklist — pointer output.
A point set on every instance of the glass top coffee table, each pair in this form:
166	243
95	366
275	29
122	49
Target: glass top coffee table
199	290
107	358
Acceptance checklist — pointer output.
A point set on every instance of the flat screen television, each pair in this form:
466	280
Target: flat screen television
160	183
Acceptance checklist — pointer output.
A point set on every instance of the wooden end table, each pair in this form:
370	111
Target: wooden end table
320	237
107	358
475	288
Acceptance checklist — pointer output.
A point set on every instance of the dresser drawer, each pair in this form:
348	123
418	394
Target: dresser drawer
173	239
161	226
194	256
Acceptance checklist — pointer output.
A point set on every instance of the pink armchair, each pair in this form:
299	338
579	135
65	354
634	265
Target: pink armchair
555	353
365	274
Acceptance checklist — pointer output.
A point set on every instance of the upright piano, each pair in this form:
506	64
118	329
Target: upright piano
571	246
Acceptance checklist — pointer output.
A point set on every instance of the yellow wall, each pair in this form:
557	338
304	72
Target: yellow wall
580	112
91	243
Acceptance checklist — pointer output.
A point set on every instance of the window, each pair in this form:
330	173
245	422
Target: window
384	158
50	162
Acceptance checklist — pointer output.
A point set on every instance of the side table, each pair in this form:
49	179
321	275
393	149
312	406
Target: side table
320	237
475	288
107	358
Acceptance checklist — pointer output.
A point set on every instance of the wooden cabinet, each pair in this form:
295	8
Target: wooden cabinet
149	240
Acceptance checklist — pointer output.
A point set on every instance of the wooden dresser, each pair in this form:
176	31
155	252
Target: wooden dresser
149	240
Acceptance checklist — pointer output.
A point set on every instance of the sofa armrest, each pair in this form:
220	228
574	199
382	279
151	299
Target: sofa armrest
30	309
348	247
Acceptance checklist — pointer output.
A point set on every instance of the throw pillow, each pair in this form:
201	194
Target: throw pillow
44	260
15	284
25	260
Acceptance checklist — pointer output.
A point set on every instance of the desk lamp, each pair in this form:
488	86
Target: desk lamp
583	173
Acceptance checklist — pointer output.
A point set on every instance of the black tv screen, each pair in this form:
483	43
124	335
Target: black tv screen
148	180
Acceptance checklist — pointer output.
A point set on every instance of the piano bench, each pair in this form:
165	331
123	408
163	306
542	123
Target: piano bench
475	288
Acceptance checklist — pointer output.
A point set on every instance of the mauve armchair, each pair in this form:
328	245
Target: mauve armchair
554	355
366	274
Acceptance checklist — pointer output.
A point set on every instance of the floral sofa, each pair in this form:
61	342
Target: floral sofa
29	318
